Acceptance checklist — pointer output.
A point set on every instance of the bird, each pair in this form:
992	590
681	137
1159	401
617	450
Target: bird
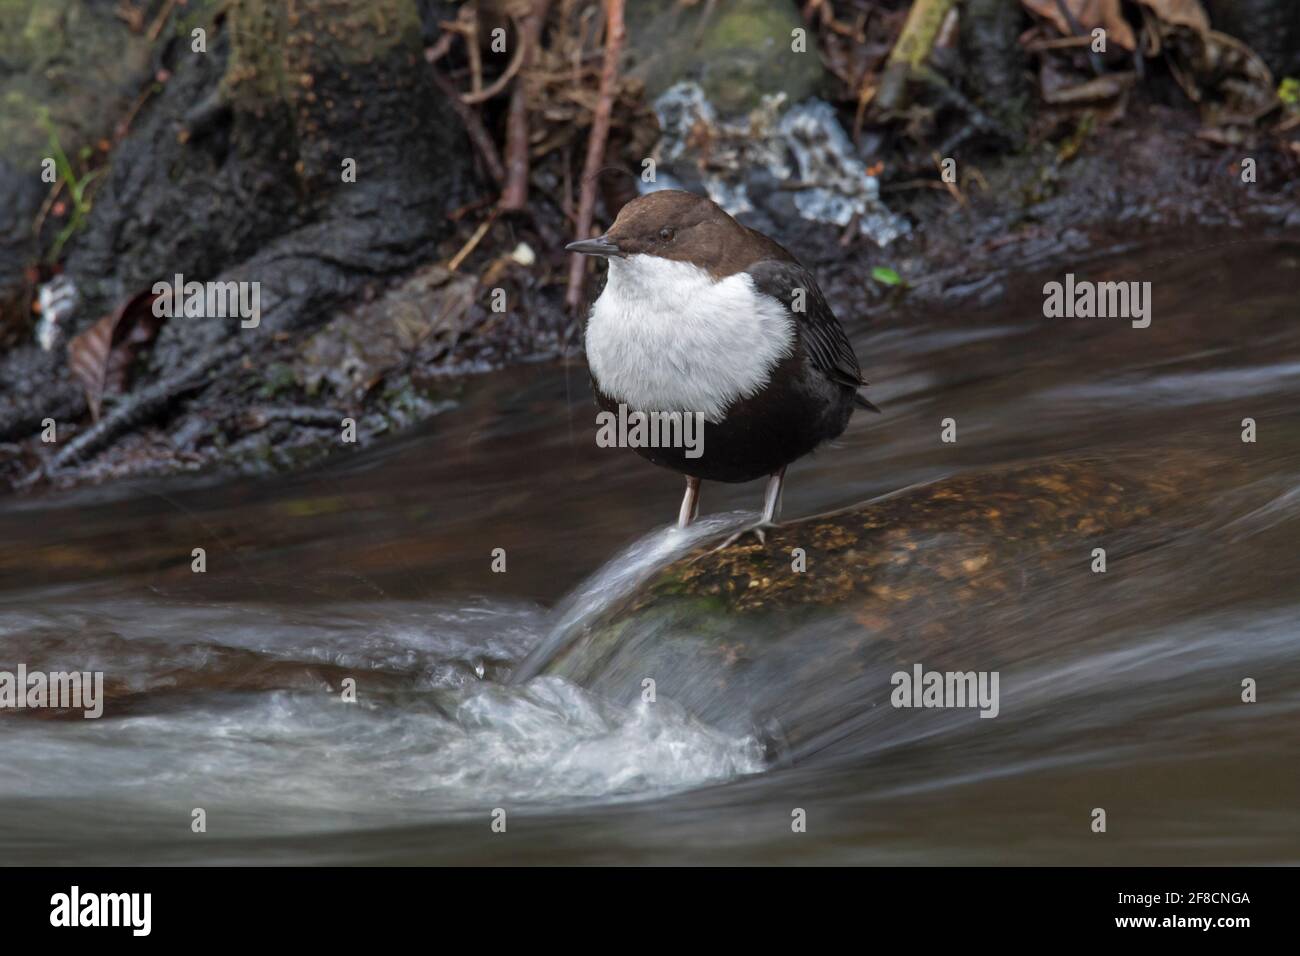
703	315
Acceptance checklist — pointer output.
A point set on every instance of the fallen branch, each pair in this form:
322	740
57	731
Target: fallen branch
515	195
615	34
140	407
910	51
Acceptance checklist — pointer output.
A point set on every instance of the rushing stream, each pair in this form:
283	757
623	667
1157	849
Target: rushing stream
224	688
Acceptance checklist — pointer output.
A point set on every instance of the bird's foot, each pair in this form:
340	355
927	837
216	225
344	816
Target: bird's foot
758	529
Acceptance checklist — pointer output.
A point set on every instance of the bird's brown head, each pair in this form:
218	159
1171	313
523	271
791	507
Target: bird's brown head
673	224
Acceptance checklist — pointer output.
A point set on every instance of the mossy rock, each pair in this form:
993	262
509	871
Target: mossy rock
955	574
69	69
738	51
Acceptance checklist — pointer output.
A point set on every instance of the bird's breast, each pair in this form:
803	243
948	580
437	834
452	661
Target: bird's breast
666	336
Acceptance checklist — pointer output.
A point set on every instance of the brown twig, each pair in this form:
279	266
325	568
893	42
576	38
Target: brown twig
478	134
459	213
159	20
441	47
1057	43
615	34
468	15
466	26
500	83
515	195
133	17
46	206
1098	68
473	242
123	126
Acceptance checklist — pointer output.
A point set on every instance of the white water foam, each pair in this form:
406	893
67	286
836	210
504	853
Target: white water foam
426	739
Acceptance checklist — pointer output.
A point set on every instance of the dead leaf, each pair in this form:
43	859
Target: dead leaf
1090	14
1227	79
100	357
1243	78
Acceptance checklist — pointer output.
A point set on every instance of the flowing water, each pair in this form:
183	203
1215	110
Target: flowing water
225	689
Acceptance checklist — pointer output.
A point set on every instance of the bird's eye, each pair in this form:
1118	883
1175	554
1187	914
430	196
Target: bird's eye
665	235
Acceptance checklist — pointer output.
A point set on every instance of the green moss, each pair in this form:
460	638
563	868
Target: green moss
44	26
744	53
749	52
750	25
271	50
255	70
279	378
31	30
78	61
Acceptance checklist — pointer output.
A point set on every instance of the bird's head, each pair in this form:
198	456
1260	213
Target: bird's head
670	224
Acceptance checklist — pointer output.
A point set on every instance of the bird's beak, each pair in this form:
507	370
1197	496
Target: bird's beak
600	246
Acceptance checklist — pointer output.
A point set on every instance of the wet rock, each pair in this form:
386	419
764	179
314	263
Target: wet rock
743	637
788	162
355	350
238	171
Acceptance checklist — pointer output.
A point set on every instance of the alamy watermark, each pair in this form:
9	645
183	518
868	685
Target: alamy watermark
922	688
633	429
1084	299
59	690
75	909
209	300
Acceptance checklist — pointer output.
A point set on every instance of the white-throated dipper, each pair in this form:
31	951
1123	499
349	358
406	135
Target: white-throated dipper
703	315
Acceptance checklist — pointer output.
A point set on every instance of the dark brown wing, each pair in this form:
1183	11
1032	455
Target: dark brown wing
821	333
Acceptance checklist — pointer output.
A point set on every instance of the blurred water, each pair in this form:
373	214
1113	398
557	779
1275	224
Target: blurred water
225	687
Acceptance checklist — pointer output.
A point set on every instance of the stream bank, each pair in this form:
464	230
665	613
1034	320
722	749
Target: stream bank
380	294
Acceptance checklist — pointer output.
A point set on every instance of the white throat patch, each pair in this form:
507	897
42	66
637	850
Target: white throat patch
665	336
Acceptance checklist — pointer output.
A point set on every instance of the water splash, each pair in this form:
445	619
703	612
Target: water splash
238	710
616	580
285	762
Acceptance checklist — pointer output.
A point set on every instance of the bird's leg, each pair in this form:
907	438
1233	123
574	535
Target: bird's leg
772	498
690	503
771	511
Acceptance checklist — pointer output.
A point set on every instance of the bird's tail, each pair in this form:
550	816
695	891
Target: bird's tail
861	402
